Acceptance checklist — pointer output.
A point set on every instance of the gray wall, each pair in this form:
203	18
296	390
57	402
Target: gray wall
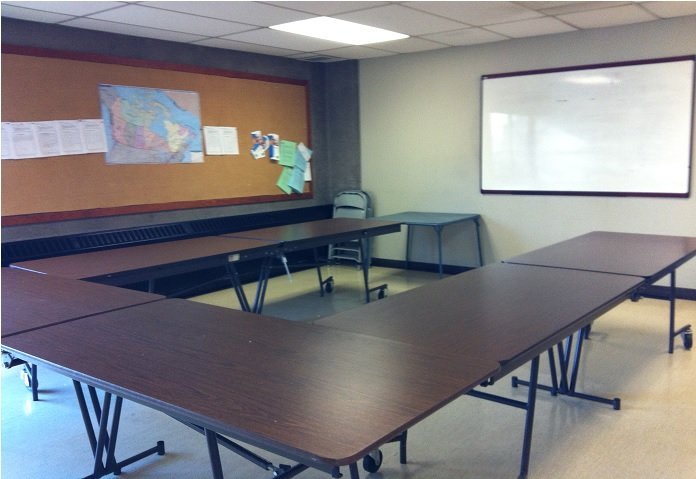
420	132
333	93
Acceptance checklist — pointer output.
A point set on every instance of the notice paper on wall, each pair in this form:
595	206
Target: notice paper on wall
221	140
306	154
40	139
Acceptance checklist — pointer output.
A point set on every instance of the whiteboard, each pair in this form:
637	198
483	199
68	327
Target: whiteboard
620	129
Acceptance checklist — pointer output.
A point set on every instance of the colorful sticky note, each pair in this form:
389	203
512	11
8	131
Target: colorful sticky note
284	180
287	153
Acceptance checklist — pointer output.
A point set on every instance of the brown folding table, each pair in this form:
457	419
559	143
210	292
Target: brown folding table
648	256
32	301
313	235
36	302
294	389
502	312
132	264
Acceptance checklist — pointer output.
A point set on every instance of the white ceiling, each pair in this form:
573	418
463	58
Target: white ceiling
243	26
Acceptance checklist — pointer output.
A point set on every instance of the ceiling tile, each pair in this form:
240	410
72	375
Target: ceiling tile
529	28
543	5
253	13
607	17
468	36
19	13
356	53
77	9
276	38
245	47
401	19
671	9
477	13
166	20
133	30
409	45
328	8
572	7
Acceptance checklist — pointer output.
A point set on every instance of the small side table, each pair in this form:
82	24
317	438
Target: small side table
437	221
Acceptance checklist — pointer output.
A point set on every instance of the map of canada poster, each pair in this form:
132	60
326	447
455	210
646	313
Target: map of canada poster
149	125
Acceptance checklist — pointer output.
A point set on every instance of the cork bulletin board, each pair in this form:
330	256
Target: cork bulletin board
42	85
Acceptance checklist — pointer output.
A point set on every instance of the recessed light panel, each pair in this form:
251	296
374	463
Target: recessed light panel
332	29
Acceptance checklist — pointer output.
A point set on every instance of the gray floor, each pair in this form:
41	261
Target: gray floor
652	436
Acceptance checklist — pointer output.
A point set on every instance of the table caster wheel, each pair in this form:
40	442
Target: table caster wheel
9	361
373	461
688	339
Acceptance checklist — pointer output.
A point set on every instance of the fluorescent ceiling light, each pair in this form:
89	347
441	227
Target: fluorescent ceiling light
328	28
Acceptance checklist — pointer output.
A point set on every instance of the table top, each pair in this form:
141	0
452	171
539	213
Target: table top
645	255
429	219
121	265
316	395
503	312
33	300
320	232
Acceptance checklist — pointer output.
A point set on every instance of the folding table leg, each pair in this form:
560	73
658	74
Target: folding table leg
366	274
214	453
214	440
566	384
315	252
237	285
34	382
528	406
365	271
529	418
554	375
684	331
262	285
555	387
478	241
402	447
564	349
102	439
672	307
438	232
408	244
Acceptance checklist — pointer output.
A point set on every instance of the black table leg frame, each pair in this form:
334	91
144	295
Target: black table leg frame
563	383
103	439
685	331
529	406
214	440
281	471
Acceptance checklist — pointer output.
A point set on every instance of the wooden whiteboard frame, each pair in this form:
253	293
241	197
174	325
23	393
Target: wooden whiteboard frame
263	169
548	101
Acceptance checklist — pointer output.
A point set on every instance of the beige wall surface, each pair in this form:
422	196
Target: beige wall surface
420	144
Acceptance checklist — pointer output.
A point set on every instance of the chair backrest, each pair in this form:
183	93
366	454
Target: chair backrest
352	204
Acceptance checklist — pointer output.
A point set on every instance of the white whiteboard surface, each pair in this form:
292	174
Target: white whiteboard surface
618	129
